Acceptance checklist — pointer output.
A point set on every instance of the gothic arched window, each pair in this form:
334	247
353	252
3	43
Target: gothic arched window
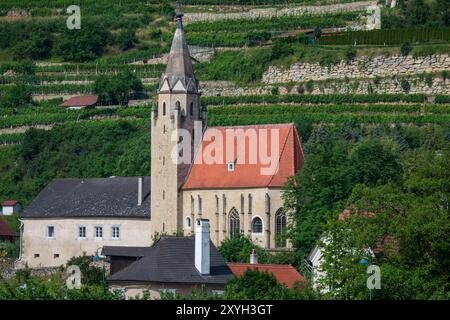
280	228
257	225
235	227
164	109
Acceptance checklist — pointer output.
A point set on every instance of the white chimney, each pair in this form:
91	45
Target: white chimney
202	246
253	257
139	191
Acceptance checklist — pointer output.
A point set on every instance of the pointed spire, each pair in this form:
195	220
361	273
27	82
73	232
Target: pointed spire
179	65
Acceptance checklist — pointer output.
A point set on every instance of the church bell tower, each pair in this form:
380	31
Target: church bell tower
175	113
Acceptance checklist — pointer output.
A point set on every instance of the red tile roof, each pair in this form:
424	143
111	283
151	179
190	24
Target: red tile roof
9	203
79	101
6	230
246	175
284	273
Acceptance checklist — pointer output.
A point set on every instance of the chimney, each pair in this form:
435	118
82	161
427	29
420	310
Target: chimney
253	257
202	246
139	191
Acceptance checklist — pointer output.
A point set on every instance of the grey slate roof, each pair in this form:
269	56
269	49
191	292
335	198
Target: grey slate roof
179	65
172	260
99	197
119	251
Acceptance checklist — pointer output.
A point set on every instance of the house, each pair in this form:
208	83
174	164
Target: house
75	216
10	207
174	264
80	102
284	273
232	176
7	234
386	245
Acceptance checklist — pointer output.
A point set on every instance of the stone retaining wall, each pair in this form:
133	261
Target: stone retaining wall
277	12
362	67
357	86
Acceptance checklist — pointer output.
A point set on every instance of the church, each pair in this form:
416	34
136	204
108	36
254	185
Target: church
231	176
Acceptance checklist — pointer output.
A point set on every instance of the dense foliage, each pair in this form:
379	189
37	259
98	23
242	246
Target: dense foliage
401	175
408	233
90	149
117	89
238	249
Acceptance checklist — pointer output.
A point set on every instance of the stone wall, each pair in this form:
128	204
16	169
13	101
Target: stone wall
357	86
277	12
362	67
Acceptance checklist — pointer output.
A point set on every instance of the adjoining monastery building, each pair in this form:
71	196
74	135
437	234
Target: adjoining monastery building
238	192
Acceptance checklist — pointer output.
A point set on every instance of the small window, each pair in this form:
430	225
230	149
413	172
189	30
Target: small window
36	255
115	232
164	129
191	109
81	232
56	255
98	232
51	232
164	194
164	109
231	166
257	226
188	223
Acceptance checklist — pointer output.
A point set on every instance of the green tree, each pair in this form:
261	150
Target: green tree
126	39
117	89
16	95
405	232
238	249
83	44
256	285
336	160
38	47
405	48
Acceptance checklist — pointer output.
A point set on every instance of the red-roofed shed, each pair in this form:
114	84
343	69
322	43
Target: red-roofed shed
6	232
10	207
80	102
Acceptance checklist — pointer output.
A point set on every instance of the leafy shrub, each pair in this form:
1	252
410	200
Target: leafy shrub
238	249
83	44
350	54
405	48
90	274
406	86
274	91
309	86
444	75
16	95
281	49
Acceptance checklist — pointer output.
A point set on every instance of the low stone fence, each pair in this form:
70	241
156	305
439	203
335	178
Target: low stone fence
361	67
408	84
278	12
